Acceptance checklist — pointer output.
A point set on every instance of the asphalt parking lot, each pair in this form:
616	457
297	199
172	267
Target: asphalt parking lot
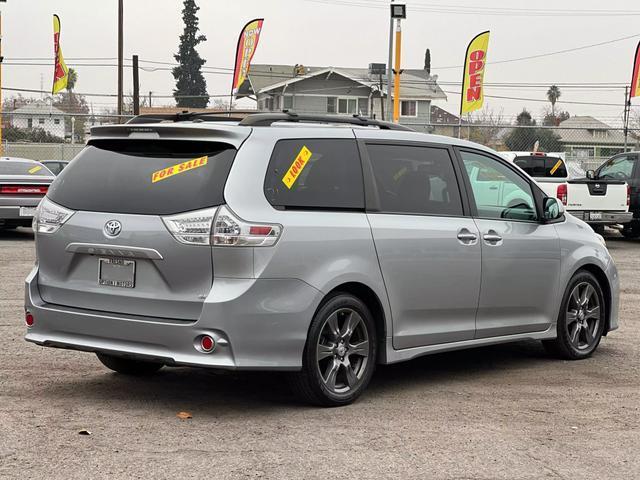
507	412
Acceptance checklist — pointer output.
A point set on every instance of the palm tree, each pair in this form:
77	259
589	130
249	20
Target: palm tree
553	94
73	78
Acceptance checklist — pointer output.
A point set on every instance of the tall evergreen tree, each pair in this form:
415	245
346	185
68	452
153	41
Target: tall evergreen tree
188	75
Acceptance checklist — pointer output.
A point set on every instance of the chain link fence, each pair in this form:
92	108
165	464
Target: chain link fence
54	135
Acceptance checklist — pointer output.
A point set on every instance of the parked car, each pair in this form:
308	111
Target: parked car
23	183
56	166
624	168
318	245
599	202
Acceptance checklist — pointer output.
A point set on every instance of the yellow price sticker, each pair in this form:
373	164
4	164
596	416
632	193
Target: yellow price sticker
296	167
178	169
34	169
556	167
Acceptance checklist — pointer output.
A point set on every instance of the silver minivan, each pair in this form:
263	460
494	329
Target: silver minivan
317	245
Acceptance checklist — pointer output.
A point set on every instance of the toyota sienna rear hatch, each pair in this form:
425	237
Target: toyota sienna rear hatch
135	218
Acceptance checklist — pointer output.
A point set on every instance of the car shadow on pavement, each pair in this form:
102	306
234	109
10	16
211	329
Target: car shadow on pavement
9	234
210	391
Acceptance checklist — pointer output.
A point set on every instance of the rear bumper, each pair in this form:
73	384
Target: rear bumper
10	215
256	325
595	217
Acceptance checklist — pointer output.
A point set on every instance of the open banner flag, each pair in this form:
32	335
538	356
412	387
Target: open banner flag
247	44
635	80
61	72
473	77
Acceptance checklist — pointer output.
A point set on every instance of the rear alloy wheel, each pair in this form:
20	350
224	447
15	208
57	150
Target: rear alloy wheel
128	366
582	319
340	353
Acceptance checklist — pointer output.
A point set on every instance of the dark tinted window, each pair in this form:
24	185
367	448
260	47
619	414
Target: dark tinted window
34	169
413	179
618	168
542	166
147	178
308	173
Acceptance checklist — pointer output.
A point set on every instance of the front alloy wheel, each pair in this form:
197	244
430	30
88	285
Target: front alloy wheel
339	357
581	320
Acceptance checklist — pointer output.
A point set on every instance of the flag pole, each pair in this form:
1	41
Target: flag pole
627	111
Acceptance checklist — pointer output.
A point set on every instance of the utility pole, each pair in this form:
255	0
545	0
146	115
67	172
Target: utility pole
136	86
150	99
120	55
627	114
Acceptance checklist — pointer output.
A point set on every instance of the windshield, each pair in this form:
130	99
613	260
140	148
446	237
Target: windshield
7	167
146	178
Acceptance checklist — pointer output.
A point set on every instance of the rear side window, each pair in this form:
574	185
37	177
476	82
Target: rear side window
415	180
145	177
315	174
542	166
31	169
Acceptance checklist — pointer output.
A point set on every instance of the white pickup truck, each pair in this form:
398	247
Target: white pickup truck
597	202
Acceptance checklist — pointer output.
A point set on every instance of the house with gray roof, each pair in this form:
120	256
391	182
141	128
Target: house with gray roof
39	115
338	90
584	137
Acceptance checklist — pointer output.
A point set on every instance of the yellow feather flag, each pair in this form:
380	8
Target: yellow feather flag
473	79
61	72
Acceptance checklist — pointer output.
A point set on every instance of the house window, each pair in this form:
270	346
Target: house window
41	121
348	105
409	108
268	103
30	123
363	106
56	121
332	104
287	102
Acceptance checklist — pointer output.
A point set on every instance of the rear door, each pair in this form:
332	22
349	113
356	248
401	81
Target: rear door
520	255
115	253
427	247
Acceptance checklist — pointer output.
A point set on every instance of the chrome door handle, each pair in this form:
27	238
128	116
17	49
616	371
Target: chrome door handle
467	237
492	237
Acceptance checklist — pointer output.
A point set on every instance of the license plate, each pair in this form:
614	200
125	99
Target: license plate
27	211
595	216
115	272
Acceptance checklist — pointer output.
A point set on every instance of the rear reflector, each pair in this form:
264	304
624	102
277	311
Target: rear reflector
29	320
628	195
24	189
207	344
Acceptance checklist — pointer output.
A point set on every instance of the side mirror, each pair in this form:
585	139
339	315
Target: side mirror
553	209
591	174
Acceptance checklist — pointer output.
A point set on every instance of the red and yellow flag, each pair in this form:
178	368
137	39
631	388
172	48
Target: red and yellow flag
247	44
635	80
473	76
61	72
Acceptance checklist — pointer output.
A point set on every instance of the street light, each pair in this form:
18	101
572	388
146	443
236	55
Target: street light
398	12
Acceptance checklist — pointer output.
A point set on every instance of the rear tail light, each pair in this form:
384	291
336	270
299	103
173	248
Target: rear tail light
220	227
231	231
24	189
50	217
207	344
192	228
562	193
628	195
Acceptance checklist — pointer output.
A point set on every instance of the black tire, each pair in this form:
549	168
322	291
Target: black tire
576	341
631	233
353	361
128	366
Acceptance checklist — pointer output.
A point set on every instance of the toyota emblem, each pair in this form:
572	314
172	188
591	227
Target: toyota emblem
112	228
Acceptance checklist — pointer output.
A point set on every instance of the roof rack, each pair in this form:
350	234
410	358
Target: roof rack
267	119
185	116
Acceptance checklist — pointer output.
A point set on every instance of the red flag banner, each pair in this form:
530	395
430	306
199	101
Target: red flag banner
635	80
247	44
60	72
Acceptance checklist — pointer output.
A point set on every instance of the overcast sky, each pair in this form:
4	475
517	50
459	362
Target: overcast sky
335	33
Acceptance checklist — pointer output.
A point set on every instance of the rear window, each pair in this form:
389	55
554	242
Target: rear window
34	169
542	166
315	174
145	177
